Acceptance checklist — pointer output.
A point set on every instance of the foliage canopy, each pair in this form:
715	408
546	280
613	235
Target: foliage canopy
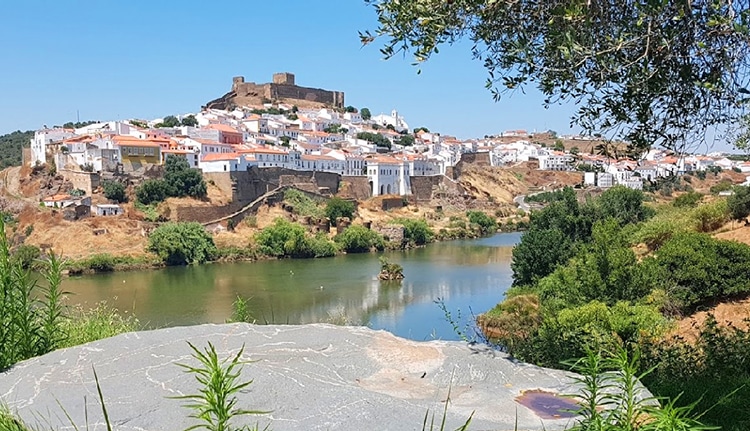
649	72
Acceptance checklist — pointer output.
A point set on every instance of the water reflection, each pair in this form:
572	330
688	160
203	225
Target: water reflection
465	274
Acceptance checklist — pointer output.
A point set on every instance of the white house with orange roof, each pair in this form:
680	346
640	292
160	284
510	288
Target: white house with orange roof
388	175
223	162
204	147
268	157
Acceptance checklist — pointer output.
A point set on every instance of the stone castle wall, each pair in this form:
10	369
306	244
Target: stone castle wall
282	87
86	181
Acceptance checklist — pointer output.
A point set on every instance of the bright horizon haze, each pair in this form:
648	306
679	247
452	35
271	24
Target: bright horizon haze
114	61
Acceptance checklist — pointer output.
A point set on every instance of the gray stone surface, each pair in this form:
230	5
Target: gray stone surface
312	377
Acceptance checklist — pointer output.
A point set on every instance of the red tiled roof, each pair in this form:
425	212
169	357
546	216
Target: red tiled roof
213	157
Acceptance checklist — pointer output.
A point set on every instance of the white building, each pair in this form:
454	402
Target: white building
388	175
605	180
394	120
43	138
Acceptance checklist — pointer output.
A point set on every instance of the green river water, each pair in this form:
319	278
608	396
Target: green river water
469	276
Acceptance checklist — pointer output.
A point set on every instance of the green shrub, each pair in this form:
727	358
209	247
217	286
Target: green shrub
739	203
359	239
182	243
723	186
656	232
83	326
284	238
416	232
30	312
486	224
709	217
319	246
26	256
152	191
687	200
101	262
702	268
114	191
338	208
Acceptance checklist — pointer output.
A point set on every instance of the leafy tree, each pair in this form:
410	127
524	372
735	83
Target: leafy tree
11	145
182	243
350	109
377	139
151	191
575	151
359	239
421	129
406	140
624	204
559	145
333	128
661	72
190	121
114	191
337	207
390	127
365	113
739	203
285	141
170	121
538	254
182	180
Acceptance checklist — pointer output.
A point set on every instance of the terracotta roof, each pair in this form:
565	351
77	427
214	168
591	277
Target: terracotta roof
135	142
209	142
224	128
214	157
58	198
316	157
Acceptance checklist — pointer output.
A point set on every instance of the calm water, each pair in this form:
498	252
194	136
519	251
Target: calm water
470	276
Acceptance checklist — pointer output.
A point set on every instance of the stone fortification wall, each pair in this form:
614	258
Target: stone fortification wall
478	159
423	189
246	186
282	87
203	214
355	188
86	181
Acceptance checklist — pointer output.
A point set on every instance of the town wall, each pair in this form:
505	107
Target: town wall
86	181
246	186
358	188
477	159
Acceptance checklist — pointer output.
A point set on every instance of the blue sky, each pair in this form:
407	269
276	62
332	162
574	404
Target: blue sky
146	59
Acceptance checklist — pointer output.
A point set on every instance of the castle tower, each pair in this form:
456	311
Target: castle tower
237	81
283	78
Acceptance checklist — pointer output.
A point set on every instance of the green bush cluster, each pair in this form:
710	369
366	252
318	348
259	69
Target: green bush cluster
287	239
416	232
339	208
182	243
579	285
114	191
359	239
487	225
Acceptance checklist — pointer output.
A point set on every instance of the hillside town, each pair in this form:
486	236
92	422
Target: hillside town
344	141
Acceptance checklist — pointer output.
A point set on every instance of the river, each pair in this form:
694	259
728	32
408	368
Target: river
468	275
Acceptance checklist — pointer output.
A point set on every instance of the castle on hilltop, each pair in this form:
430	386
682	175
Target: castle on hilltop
283	87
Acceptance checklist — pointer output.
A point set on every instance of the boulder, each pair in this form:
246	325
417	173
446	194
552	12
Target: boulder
310	377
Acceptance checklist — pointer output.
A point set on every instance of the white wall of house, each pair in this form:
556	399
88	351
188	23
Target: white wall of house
389	178
41	139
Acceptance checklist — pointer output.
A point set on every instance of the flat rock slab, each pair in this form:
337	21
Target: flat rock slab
311	377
